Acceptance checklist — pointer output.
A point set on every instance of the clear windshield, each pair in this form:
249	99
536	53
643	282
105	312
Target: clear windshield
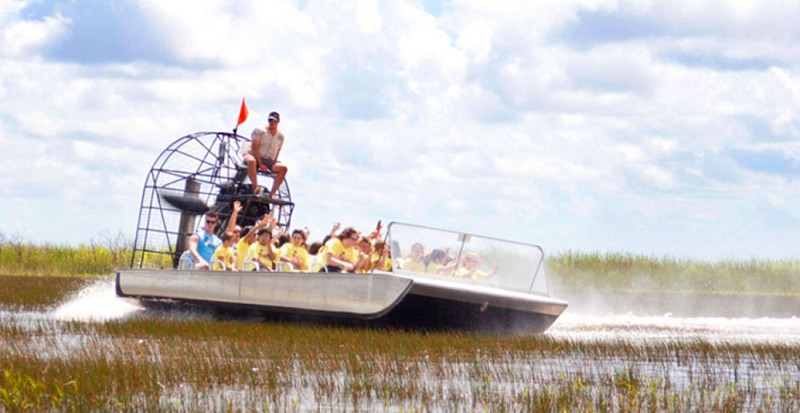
441	254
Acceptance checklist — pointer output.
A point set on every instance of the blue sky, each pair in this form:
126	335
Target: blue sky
635	126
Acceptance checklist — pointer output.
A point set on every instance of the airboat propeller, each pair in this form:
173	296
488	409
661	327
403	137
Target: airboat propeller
199	173
186	203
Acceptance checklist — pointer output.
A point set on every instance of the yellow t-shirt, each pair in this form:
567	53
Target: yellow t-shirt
433	268
387	266
352	254
224	254
409	264
260	254
241	252
335	248
462	272
291	251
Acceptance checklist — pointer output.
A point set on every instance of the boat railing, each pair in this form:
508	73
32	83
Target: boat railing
425	252
186	262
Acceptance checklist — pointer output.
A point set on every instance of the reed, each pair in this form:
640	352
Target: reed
568	271
18	257
36	293
197	362
626	272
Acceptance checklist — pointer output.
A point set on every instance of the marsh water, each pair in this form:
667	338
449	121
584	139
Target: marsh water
98	303
52	334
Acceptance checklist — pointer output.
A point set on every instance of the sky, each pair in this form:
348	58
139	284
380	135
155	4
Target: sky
643	126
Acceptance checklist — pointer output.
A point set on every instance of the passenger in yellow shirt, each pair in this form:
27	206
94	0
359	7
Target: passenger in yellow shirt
294	252
263	252
381	257
414	261
225	254
436	261
339	253
470	262
364	255
244	243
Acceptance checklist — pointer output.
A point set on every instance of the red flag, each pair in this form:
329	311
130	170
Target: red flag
243	112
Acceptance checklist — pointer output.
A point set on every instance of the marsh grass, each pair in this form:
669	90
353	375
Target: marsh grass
85	260
149	364
195	362
630	272
22	258
36	293
568	271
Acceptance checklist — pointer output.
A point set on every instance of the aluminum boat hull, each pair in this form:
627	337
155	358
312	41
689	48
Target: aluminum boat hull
345	295
383	298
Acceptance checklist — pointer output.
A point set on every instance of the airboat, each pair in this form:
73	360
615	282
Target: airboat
204	172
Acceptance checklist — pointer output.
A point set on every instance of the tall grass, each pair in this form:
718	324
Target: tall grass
18	257
624	271
568	271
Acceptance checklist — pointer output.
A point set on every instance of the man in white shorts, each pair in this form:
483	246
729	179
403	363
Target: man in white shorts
262	155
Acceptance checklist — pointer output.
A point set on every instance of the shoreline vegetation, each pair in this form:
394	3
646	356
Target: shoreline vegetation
568	271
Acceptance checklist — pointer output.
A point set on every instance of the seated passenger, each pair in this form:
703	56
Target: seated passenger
414	261
314	256
203	243
381	257
262	251
469	268
365	255
225	253
294	252
339	253
436	261
244	243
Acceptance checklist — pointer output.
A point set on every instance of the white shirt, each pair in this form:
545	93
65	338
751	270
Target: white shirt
269	144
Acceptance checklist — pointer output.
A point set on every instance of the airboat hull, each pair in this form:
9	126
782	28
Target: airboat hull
444	303
385	298
342	295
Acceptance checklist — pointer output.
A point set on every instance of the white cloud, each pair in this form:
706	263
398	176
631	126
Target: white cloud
24	38
483	118
9	9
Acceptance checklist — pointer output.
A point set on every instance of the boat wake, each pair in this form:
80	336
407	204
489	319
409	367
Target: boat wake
630	327
97	302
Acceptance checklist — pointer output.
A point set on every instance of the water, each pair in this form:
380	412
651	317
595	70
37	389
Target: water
659	328
98	303
70	331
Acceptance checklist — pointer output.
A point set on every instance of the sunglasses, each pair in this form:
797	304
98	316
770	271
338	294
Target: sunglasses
211	222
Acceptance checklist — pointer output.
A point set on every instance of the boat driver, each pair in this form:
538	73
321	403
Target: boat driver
262	154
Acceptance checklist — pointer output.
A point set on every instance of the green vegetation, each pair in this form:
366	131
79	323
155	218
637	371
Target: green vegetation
629	272
36	293
568	271
194	362
18	257
86	260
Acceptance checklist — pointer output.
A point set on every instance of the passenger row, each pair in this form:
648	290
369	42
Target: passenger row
345	251
256	250
440	261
